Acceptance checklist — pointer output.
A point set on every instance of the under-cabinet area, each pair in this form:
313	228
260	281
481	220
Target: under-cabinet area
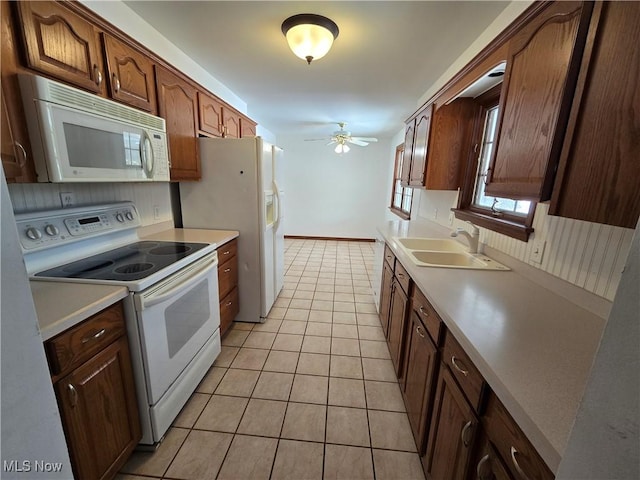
480	356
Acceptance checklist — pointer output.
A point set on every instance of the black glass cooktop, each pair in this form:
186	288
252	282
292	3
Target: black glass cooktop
131	262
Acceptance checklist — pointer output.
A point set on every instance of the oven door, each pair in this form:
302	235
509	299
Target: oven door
175	318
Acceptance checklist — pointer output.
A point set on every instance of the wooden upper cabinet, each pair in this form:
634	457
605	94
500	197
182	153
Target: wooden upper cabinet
231	123
130	75
420	147
247	127
542	64
210	116
61	44
599	167
449	147
178	105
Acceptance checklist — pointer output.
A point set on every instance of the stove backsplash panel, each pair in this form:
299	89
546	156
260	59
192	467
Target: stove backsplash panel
152	199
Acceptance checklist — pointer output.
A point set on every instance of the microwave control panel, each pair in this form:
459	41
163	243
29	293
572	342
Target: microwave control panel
47	229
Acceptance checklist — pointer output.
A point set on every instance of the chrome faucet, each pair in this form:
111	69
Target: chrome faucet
473	237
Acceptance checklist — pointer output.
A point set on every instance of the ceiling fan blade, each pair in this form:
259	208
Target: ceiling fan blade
366	139
331	142
315	139
356	141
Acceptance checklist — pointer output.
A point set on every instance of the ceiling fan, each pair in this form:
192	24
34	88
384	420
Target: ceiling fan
342	137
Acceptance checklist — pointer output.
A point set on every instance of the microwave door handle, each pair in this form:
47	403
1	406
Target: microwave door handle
146	154
184	284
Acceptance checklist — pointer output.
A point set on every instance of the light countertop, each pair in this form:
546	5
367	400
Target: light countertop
219	237
533	347
61	305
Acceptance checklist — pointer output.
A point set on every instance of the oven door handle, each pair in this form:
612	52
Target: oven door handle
188	279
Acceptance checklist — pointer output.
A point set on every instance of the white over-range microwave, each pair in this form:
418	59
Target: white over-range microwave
77	136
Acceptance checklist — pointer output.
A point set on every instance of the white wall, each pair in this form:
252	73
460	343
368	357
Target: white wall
331	195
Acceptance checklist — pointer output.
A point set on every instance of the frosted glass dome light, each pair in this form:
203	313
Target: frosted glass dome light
309	36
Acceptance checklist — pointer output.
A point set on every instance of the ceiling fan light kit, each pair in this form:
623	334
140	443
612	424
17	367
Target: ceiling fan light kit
309	36
342	148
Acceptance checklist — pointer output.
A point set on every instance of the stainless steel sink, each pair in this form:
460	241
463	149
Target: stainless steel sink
445	253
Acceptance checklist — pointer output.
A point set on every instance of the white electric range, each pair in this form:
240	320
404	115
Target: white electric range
171	311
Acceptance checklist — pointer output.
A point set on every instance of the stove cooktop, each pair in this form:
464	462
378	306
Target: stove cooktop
132	262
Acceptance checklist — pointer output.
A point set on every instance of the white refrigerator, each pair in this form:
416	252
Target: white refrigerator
239	191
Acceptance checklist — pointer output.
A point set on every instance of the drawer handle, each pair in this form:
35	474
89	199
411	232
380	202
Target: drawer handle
454	362
514	460
227	252
73	395
94	336
227	270
423	311
464	435
483	471
116	83
97	75
400	275
420	332
22	162
229	304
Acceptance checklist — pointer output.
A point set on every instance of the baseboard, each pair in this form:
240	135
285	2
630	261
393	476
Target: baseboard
339	239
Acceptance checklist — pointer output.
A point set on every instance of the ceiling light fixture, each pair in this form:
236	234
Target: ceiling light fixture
309	36
342	148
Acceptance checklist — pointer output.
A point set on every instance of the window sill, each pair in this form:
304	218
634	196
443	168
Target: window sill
402	214
506	227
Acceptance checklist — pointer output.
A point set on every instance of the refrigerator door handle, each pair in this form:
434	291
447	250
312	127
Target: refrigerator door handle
276	194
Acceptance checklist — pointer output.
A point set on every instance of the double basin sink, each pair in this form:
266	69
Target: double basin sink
445	253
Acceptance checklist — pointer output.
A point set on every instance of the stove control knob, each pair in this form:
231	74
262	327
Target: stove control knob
129	216
33	233
51	230
119	217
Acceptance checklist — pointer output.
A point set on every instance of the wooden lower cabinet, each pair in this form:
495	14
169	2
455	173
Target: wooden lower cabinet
452	432
228	284
487	464
420	366
397	315
96	396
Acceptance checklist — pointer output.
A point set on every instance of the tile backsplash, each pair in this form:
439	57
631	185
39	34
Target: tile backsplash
588	255
152	199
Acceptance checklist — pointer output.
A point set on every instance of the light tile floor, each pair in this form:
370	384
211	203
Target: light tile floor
309	394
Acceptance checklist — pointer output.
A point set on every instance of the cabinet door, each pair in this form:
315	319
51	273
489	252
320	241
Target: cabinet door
409	136
130	75
247	128
385	297
451	137
599	167
487	464
419	371
210	115
178	105
61	44
231	123
397	315
535	100
15	150
100	413
452	432
420	147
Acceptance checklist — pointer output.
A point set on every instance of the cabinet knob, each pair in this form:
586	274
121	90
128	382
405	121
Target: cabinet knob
97	75
516	465
116	83
454	362
73	395
465	433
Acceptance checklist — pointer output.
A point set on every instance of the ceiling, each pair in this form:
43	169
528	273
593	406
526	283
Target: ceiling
387	55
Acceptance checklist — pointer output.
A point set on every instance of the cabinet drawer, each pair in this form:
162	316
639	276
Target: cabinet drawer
464	371
227	251
227	276
229	308
519	456
403	277
389	257
79	343
428	316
